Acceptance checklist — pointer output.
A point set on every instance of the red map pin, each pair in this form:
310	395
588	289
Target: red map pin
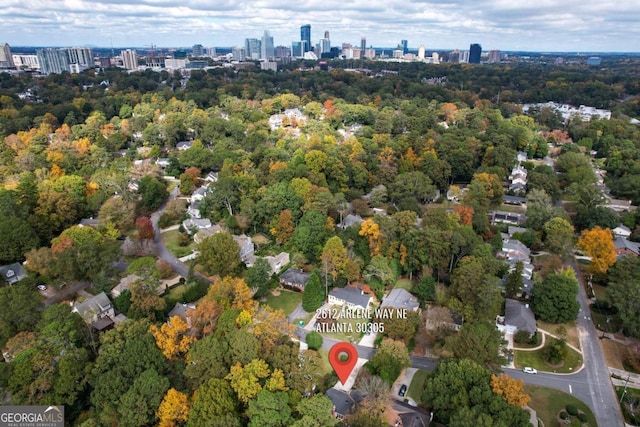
343	356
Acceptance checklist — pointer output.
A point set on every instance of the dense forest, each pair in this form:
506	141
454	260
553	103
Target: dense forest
294	153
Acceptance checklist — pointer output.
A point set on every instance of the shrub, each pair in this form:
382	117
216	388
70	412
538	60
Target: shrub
564	415
314	340
572	410
583	417
522	337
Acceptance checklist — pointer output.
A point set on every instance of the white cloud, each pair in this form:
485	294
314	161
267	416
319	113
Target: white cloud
575	25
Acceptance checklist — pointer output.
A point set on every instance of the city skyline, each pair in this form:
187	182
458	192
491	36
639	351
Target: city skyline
572	26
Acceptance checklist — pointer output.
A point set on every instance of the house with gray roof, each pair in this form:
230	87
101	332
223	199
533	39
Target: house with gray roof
95	309
512	248
400	298
194	224
12	273
514	200
184	145
294	279
343	403
182	311
622	231
246	246
626	247
199	194
353	298
350	221
517	317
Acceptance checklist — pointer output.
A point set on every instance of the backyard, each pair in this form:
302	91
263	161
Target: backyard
287	301
171	241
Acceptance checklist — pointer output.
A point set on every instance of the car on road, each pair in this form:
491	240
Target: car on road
528	370
403	390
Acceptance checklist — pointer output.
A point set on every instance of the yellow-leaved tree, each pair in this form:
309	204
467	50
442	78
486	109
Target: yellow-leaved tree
174	409
510	389
371	231
172	338
597	243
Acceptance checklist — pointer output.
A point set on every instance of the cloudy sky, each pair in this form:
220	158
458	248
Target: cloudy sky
529	25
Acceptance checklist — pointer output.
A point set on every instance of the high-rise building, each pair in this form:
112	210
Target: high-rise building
26	61
363	46
282	52
405	46
421	53
129	59
326	35
80	58
267	49
475	52
305	38
252	48
463	57
238	53
297	49
197	50
6	59
494	57
53	60
325	45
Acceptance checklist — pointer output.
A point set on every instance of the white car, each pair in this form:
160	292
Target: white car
528	370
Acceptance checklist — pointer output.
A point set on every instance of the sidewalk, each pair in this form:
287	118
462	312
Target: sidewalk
634	379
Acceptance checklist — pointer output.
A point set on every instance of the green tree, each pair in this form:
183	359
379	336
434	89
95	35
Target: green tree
480	342
425	290
539	209
20	304
624	291
475	295
456	386
558	236
257	277
152	193
269	409
390	359
139	404
316	411
310	234
514	283
16	238
313	295
213	400
554	300
220	254
314	340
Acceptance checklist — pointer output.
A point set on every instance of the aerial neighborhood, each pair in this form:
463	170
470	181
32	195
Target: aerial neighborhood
184	249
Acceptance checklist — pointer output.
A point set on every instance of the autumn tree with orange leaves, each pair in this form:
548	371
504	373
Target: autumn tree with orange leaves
371	231
465	213
510	389
597	243
172	338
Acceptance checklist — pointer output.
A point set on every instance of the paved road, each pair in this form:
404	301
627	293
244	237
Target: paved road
602	398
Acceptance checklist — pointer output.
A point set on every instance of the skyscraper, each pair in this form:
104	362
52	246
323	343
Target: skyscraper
252	48
297	49
305	38
6	59
53	60
197	50
325	45
129	59
405	46
421	52
80	58
494	57
475	51
326	35
267	51
363	46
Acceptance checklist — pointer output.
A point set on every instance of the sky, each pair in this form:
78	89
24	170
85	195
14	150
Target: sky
521	25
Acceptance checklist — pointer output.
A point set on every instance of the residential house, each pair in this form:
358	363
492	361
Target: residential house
211	177
453	196
124	285
294	279
619	205
343	403
515	248
193	210
514	200
192	225
400	298
622	231
521	156
184	145
517	317
350	221
206	232
89	222
353	298
12	273
513	230
379	211
507	218
246	246
183	311
97	311
278	262
133	186
199	194
163	162
518	187
626	247
518	172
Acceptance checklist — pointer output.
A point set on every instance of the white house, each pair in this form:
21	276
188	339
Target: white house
353	298
193	224
622	231
246	246
95	309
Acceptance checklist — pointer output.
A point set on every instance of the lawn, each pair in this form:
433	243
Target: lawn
534	359
348	334
405	284
287	301
326	366
176	292
417	385
548	403
171	242
571	332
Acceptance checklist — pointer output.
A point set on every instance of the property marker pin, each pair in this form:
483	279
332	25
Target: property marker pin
350	357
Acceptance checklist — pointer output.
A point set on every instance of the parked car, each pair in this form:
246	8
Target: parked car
42	287
403	390
528	370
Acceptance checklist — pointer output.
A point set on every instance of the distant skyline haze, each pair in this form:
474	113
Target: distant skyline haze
543	25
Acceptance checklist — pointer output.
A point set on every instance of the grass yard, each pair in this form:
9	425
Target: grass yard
171	239
417	385
326	366
405	284
548	403
349	330
534	359
572	336
176	292
287	301
614	353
